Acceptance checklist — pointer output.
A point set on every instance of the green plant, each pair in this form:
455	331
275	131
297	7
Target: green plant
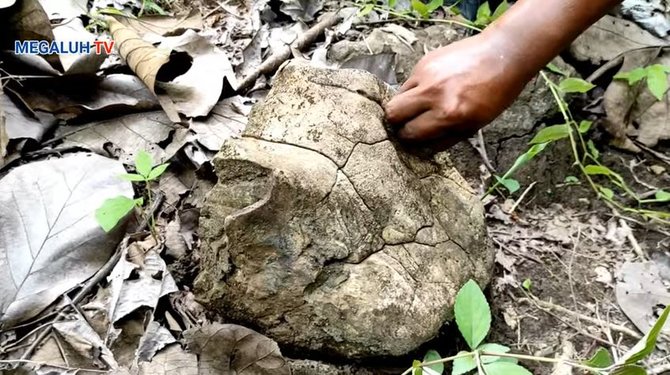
484	15
150	7
586	156
473	318
113	210
656	77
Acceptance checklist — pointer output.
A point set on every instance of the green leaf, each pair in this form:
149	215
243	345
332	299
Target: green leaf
433	355
463	365
483	15
492	348
112	211
555	69
505	368
524	158
510	184
657	80
364	11
551	133
629	370
607	193
500	10
473	315
662	196
157	172
153	8
592	149
571	180
646	345
592	170
143	163
433	5
575	85
632	76
420	8
139	202
392	3
600	359
527	284
416	368
131	177
584	126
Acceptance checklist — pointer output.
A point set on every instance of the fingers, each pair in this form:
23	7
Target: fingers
433	131
406	106
426	126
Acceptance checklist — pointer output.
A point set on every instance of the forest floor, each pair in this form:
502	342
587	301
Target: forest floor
572	273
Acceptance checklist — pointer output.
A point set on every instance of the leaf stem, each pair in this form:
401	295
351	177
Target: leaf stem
443	360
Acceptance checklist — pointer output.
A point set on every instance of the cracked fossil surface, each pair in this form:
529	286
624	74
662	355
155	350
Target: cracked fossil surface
325	235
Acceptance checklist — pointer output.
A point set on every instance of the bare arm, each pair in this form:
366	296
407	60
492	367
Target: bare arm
457	89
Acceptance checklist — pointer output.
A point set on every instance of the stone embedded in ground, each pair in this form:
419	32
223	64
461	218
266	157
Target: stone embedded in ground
327	237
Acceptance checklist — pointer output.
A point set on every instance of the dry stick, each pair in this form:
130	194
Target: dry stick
276	59
92	282
550	306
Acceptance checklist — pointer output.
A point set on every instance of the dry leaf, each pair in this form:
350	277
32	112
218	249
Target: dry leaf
125	136
142	57
610	37
196	91
64	9
172	360
151	28
72	97
640	289
29	21
229	348
228	119
139	280
49	238
632	111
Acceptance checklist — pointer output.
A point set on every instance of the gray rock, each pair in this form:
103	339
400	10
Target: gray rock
325	235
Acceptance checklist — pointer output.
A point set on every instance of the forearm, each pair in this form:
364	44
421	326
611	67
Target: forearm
532	32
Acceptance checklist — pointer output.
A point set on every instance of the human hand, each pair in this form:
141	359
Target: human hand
456	90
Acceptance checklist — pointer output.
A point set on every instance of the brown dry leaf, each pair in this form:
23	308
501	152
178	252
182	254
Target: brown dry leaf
632	111
143	58
172	360
72	97
29	21
230	348
152	27
610	37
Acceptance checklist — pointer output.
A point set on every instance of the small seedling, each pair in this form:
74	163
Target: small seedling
484	15
115	209
473	318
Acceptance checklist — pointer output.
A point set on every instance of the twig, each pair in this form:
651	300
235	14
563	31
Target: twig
479	145
659	370
633	241
523	195
278	58
544	305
